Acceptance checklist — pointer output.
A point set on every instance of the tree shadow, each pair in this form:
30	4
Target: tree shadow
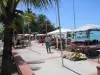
8	67
51	52
0	60
20	47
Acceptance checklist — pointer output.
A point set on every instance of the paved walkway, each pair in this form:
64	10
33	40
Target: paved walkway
52	62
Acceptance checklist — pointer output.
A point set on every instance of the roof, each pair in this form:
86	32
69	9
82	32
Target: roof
87	27
57	31
41	35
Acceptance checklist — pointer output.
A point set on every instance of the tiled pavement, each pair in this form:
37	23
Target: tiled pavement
52	64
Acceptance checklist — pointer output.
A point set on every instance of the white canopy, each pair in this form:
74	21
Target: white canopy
41	35
57	31
26	34
31	34
87	27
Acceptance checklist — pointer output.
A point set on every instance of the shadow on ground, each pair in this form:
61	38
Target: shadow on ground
20	47
71	70
9	67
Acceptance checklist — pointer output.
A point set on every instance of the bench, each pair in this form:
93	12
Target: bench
22	66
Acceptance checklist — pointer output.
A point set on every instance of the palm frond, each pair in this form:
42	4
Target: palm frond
39	3
2	7
5	2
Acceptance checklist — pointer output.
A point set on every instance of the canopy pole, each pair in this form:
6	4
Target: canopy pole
57	41
58	12
56	26
29	36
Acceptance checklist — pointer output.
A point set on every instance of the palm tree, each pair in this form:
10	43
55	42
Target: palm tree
28	18
8	14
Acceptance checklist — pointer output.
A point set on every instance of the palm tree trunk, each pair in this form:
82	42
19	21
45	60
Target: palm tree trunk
8	34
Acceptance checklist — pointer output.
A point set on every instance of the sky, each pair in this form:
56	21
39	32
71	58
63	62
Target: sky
86	12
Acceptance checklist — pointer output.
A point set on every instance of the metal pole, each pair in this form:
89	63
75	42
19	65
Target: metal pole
28	30
23	26
60	32
46	27
28	27
24	19
74	15
56	26
29	36
46	23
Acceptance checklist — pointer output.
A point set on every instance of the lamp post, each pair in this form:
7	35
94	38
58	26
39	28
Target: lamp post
28	28
58	12
74	14
28	31
74	17
46	26
27	23
23	26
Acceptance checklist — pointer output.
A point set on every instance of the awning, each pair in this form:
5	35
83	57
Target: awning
57	31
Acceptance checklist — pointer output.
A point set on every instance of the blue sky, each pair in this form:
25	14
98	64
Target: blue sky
86	12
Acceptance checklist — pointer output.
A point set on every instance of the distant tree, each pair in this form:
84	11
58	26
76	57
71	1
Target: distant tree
43	21
18	24
36	23
56	28
29	19
28	10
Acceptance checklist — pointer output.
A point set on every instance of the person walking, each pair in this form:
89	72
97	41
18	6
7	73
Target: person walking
47	43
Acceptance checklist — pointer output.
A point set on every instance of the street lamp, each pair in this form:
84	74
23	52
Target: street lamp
58	12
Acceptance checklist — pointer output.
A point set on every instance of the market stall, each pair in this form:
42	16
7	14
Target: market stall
82	39
22	40
40	38
56	37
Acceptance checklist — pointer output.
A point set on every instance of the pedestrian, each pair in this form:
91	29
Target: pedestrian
14	41
47	43
18	43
